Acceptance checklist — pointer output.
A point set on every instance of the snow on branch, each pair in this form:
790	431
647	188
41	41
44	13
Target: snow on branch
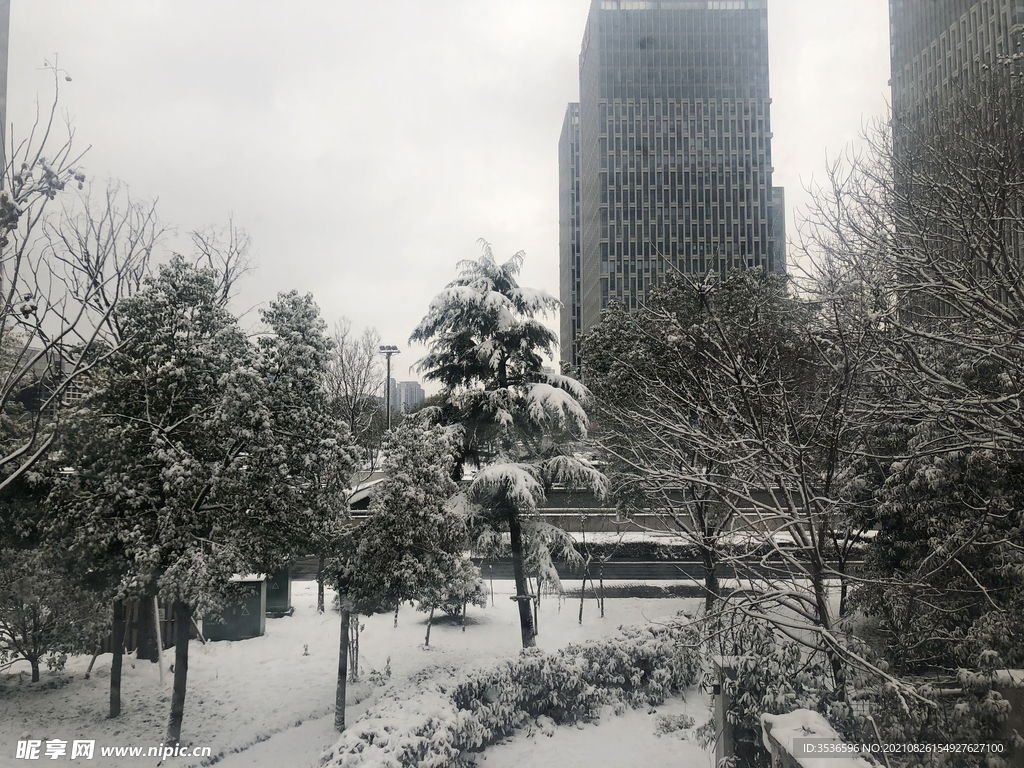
461	505
516	481
546	403
570	385
531	301
576	472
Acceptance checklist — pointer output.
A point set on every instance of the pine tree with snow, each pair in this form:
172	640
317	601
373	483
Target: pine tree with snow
486	347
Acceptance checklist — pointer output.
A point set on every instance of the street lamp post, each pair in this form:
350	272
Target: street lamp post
388	350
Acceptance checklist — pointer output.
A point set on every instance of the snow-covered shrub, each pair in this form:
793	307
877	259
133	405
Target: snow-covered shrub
42	617
380	677
666	724
463	587
966	711
768	674
431	728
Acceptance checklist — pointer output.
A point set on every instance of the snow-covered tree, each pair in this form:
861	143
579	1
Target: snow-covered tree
42	617
485	347
198	455
729	405
464	587
927	225
413	540
306	456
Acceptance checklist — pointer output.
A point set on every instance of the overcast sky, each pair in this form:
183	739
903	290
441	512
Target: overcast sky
367	146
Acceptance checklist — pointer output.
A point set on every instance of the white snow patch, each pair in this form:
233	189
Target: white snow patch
617	741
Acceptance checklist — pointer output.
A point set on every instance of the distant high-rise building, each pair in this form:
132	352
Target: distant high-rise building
936	43
569	233
955	138
674	152
410	396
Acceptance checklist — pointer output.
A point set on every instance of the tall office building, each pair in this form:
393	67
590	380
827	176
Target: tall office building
674	154
956	146
936	43
569	233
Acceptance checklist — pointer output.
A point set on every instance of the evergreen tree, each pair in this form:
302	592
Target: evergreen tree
486	346
411	548
413	539
196	450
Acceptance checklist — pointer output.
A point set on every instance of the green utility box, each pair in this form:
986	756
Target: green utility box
279	594
246	618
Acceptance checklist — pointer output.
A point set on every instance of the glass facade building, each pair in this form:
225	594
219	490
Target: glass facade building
674	153
935	43
569	242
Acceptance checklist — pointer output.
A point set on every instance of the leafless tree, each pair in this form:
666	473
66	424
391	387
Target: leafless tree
226	251
94	233
61	278
355	380
926	227
734	414
927	223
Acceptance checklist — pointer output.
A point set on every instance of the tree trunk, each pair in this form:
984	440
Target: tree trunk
464	604
145	648
841	567
159	639
353	647
339	696
536	609
115	665
430	620
396	614
712	590
825	622
320	585
35	669
583	589
522	596
92	663
182	620
600	580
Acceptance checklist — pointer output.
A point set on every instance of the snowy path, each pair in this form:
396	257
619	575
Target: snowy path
263	702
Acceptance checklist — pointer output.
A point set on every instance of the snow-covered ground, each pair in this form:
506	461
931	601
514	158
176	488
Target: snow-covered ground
269	701
624	740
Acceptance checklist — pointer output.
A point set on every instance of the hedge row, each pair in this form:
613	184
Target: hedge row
670	551
440	720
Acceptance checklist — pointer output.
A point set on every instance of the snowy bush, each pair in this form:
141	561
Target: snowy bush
42	617
463	587
441	720
673	723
